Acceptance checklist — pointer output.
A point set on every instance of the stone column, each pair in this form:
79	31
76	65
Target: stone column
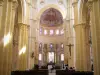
6	29
87	50
57	55
65	43
37	42
14	51
82	50
23	46
31	46
36	53
15	48
45	50
95	29
2	16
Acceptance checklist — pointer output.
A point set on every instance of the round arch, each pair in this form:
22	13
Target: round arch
51	6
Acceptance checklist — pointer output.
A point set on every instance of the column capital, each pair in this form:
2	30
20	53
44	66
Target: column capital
89	4
14	5
22	24
1	2
81	24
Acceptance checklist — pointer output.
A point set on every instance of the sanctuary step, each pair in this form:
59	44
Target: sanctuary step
64	72
46	72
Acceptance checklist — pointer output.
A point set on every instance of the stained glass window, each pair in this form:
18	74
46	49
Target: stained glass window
62	57
51	45
40	45
62	45
62	32
40	30
40	57
51	56
51	32
57	32
45	32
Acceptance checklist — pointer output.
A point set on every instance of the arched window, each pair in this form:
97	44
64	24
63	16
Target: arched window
62	45
40	31
61	31
51	32
40	45
51	56
40	57
57	32
62	57
51	45
45	32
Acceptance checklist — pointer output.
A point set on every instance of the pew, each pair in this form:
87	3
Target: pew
44	67
30	72
64	72
57	67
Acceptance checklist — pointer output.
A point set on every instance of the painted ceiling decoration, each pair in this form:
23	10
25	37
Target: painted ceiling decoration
51	17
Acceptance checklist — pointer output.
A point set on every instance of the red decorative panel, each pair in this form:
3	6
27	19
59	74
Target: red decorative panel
51	17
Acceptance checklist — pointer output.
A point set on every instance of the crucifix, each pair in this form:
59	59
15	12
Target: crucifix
70	45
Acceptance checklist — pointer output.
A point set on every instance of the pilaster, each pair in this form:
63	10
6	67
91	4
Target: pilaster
65	43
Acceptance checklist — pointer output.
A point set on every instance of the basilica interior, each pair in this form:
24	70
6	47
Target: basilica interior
42	32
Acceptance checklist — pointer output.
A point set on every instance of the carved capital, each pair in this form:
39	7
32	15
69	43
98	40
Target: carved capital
14	5
21	25
1	2
82	24
89	4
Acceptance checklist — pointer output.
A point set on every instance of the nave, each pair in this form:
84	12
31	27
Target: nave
49	31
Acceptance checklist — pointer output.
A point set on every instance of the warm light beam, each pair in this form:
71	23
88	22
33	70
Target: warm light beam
23	50
7	39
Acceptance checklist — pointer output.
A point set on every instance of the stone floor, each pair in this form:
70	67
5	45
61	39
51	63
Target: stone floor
53	72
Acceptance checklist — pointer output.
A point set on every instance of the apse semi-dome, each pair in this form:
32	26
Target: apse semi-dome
51	17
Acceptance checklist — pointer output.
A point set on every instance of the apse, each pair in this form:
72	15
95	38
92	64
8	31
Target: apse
51	17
